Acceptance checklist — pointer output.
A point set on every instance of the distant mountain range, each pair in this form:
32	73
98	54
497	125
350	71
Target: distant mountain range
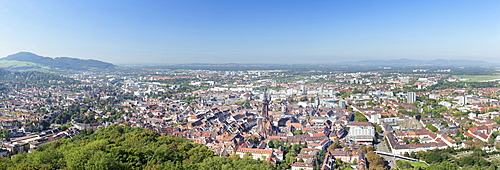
410	62
24	61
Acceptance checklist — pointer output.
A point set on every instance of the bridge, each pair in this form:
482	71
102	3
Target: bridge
397	156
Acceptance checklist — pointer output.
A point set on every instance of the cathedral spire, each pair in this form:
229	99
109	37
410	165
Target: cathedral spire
265	127
265	106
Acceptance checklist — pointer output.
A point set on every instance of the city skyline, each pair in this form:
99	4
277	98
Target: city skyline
129	32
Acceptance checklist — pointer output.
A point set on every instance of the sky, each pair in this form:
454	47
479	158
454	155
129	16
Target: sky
239	31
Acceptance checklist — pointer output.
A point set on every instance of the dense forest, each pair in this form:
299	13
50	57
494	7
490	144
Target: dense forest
123	147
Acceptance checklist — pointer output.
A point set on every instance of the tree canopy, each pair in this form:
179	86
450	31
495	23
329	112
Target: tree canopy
122	147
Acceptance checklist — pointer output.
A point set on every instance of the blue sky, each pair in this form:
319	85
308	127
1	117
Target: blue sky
288	31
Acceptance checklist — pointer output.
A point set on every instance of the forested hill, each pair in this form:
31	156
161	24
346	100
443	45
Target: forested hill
12	79
30	61
122	147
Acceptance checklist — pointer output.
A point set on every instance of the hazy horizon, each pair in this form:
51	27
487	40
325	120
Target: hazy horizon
261	32
264	63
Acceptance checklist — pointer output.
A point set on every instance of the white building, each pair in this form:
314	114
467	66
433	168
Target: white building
262	154
412	97
361	132
462	100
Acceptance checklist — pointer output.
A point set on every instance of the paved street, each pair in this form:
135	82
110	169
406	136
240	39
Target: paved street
381	146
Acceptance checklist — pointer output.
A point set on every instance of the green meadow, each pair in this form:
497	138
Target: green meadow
15	63
479	78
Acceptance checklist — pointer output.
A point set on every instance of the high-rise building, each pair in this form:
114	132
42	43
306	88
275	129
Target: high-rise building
303	89
411	97
462	100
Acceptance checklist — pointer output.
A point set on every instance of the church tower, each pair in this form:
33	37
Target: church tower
265	127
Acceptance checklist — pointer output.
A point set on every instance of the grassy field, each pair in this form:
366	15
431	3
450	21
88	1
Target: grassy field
14	63
420	164
10	63
415	164
479	78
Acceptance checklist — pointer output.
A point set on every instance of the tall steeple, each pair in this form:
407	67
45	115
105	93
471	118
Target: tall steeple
265	106
264	124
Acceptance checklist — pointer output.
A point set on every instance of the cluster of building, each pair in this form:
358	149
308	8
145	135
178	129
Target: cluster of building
249	113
